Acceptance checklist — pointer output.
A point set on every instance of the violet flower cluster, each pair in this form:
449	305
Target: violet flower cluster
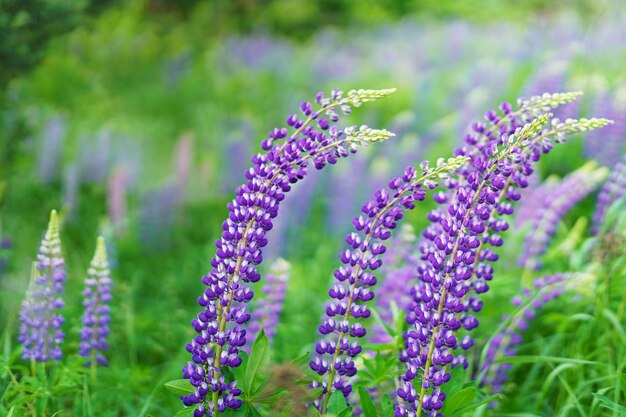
40	328
509	337
97	316
310	139
335	352
457	248
612	190
454	267
562	197
266	314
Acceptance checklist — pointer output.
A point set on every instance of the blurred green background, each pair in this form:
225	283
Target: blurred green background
137	119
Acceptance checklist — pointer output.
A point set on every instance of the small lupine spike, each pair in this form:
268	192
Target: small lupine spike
40	329
96	317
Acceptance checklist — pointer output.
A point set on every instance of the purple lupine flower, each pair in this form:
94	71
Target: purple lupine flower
40	329
182	163
612	190
116	198
561	198
455	248
94	156
71	183
341	329
5	244
287	156
266	313
505	341
97	316
157	209
397	272
450	258
52	146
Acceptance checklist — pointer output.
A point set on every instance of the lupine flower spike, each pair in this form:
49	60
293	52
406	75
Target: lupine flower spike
40	329
456	248
97	316
342	328
310	139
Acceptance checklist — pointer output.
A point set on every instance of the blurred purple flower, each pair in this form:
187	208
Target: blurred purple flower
266	313
51	148
97	316
40	329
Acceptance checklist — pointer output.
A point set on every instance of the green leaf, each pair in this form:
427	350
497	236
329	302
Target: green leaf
259	356
11	411
336	403
346	413
477	404
240	412
184	412
253	412
607	403
387	406
259	388
543	359
313	393
369	410
239	373
179	386
457	377
458	400
301	359
270	398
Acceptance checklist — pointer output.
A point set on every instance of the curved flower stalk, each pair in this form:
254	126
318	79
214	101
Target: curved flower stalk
456	248
341	329
97	314
266	314
563	196
40	329
397	272
528	303
612	190
287	157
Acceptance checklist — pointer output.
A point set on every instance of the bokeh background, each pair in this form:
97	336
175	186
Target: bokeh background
137	119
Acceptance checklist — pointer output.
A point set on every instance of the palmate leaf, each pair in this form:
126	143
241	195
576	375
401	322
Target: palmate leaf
458	400
336	404
387	406
369	410
611	405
